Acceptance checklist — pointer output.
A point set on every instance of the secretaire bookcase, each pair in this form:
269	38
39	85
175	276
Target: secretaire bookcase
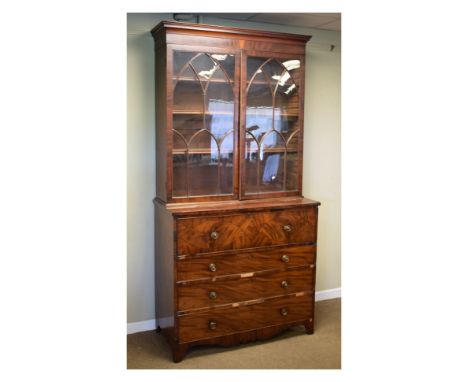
235	239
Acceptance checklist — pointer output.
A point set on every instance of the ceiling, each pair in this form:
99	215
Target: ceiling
327	21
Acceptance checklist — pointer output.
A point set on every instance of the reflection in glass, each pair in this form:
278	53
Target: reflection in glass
179	163
188	95
272	151
226	159
272	125
203	115
203	164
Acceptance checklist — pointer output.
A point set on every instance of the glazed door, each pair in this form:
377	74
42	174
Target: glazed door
271	125
203	122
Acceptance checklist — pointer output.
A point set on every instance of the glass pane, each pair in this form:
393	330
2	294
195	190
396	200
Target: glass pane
286	125
179	143
251	164
179	163
292	164
271	172
219	98
187	124
227	62
287	118
203	165
254	64
188	93
271	158
259	111
181	59
272	123
203	119
291	171
287	98
227	163
204	67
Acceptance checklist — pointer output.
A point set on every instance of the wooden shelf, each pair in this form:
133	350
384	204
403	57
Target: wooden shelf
221	81
261	82
217	81
287	115
272	150
197	151
213	80
198	112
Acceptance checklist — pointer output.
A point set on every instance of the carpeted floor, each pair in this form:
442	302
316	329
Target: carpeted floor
291	350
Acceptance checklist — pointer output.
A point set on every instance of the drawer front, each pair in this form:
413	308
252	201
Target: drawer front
210	294
213	266
248	230
227	321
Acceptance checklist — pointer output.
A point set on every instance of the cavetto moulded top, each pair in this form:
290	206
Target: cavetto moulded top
223	31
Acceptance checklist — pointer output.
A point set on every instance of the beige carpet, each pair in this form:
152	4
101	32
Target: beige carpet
291	350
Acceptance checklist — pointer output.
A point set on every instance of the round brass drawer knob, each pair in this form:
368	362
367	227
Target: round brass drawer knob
214	235
287	228
285	259
284	312
212	267
212	325
284	284
212	295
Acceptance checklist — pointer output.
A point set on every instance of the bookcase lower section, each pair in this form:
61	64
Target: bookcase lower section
235	274
179	350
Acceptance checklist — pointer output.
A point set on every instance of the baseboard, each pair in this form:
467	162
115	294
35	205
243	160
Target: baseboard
143	326
328	294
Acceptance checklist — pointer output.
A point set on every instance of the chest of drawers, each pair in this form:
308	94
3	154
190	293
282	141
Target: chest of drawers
232	273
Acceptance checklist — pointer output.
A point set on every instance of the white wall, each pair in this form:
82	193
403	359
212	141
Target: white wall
322	159
322	144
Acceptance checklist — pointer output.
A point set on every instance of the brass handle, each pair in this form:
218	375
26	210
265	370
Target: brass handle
212	295
287	228
212	325
285	259
212	267
284	312
214	235
284	284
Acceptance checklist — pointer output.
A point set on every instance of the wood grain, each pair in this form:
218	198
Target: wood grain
179	350
258	44
164	267
282	54
166	26
161	122
241	206
193	296
251	230
172	36
193	327
251	239
166	153
192	268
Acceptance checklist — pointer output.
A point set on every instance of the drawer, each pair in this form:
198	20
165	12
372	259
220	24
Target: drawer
210	294
221	322
209	266
247	230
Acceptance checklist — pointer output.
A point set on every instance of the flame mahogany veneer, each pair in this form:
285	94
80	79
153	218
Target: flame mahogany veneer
236	267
